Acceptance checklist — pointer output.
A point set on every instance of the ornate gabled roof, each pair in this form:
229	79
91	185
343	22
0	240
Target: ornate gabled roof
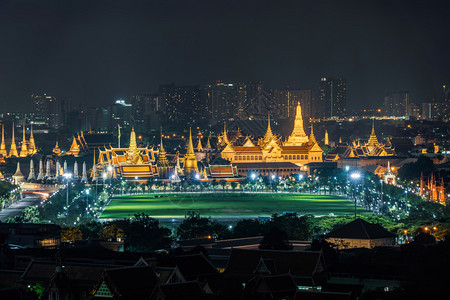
298	135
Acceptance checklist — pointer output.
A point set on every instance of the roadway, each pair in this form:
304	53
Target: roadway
17	207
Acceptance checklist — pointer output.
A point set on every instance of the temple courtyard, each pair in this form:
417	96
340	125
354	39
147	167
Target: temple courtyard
227	205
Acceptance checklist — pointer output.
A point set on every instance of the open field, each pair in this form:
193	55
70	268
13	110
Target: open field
226	205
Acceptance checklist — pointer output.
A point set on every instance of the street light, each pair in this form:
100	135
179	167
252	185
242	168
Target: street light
67	176
355	176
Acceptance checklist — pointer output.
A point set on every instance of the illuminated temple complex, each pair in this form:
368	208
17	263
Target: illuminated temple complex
128	162
270	154
360	150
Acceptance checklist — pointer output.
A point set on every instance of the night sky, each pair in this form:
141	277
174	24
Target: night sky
98	51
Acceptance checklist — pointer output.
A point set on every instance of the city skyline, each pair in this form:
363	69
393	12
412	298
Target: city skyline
95	53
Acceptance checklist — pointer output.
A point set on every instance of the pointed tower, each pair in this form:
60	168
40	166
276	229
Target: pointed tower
84	174
24	148
373	141
312	138
268	136
75	170
190	161
74	148
57	170
13	150
298	135
326	142
31	176
65	167
199	144
208	143
18	176
56	149
41	171
162	162
3	146
225	140
31	145
48	173
132	149
94	174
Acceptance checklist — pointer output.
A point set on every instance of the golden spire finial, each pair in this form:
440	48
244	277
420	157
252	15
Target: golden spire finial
312	138
225	137
327	142
162	147
13	151
3	145
190	149
298	135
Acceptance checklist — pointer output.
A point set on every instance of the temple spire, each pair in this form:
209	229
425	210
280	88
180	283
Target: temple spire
326	142
298	135
3	146
373	141
31	145
190	161
132	149
208	143
225	137
312	138
31	175
269	134
13	151
24	148
162	162
199	144
18	176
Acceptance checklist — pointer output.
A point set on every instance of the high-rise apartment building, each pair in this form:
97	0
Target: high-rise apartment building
222	101
332	98
396	104
182	104
49	111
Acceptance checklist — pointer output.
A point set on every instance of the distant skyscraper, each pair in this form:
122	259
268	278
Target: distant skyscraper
182	103
221	100
286	100
332	98
396	104
121	114
49	111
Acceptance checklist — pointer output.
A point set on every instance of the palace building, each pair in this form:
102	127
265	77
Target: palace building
357	150
298	150
128	162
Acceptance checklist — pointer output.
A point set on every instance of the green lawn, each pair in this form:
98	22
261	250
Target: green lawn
226	205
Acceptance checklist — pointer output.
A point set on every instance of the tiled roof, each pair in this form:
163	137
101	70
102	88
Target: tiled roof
360	229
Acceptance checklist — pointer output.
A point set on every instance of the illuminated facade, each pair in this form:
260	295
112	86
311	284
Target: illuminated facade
128	162
357	150
433	188
298	148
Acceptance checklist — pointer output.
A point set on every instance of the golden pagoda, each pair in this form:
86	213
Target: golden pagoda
326	142
190	161
162	162
268	136
74	148
373	141
208	143
132	149
31	144
24	148
3	151
56	149
13	150
199	144
298	135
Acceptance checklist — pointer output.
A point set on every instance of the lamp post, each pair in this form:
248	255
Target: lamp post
355	176
67	176
110	169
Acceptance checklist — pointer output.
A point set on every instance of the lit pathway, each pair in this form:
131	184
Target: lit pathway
17	207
